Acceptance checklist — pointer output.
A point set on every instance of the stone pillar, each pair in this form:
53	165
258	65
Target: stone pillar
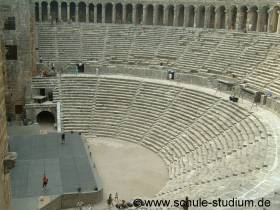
87	13
278	24
207	17
76	13
103	13
238	19
49	12
176	15
165	15
95	13
124	14
155	15
186	16
59	12
134	13
40	12
144	20
217	18
68	12
227	13
196	17
269	25
114	13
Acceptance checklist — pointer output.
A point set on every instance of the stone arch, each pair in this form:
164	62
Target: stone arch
64	11
149	14
181	15
221	17
45	117
37	12
170	15
211	17
54	10
139	13
232	18
243	17
129	10
252	18
73	11
91	13
99	13
119	13
108	12
263	19
160	14
82	10
44	11
200	17
274	19
190	16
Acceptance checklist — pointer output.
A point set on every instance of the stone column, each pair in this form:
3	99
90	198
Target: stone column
49	12
68	11
269	25
76	13
40	12
207	17
114	13
217	18
124	14
95	13
186	16
165	15
196	17
87	13
144	14
176	15
259	21
227	13
134	13
59	12
278	24
103	13
238	19
155	14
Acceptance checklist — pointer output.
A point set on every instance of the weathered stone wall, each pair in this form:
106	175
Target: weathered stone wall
5	194
19	72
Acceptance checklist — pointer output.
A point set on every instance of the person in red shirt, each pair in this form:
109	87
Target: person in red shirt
45	181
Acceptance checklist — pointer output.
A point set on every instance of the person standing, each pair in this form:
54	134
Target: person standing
45	181
63	138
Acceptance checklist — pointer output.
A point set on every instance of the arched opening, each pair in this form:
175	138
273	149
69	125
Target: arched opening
274	20
91	13
243	18
252	18
128	17
221	17
149	14
108	13
82	10
139	13
170	15
190	16
73	11
232	18
44	11
211	17
181	15
37	12
45	117
160	14
99	13
54	10
64	11
263	19
119	13
201	17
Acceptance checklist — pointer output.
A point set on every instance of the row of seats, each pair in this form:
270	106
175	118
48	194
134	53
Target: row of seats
204	139
251	56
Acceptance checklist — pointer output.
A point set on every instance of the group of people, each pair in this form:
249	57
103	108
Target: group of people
119	204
